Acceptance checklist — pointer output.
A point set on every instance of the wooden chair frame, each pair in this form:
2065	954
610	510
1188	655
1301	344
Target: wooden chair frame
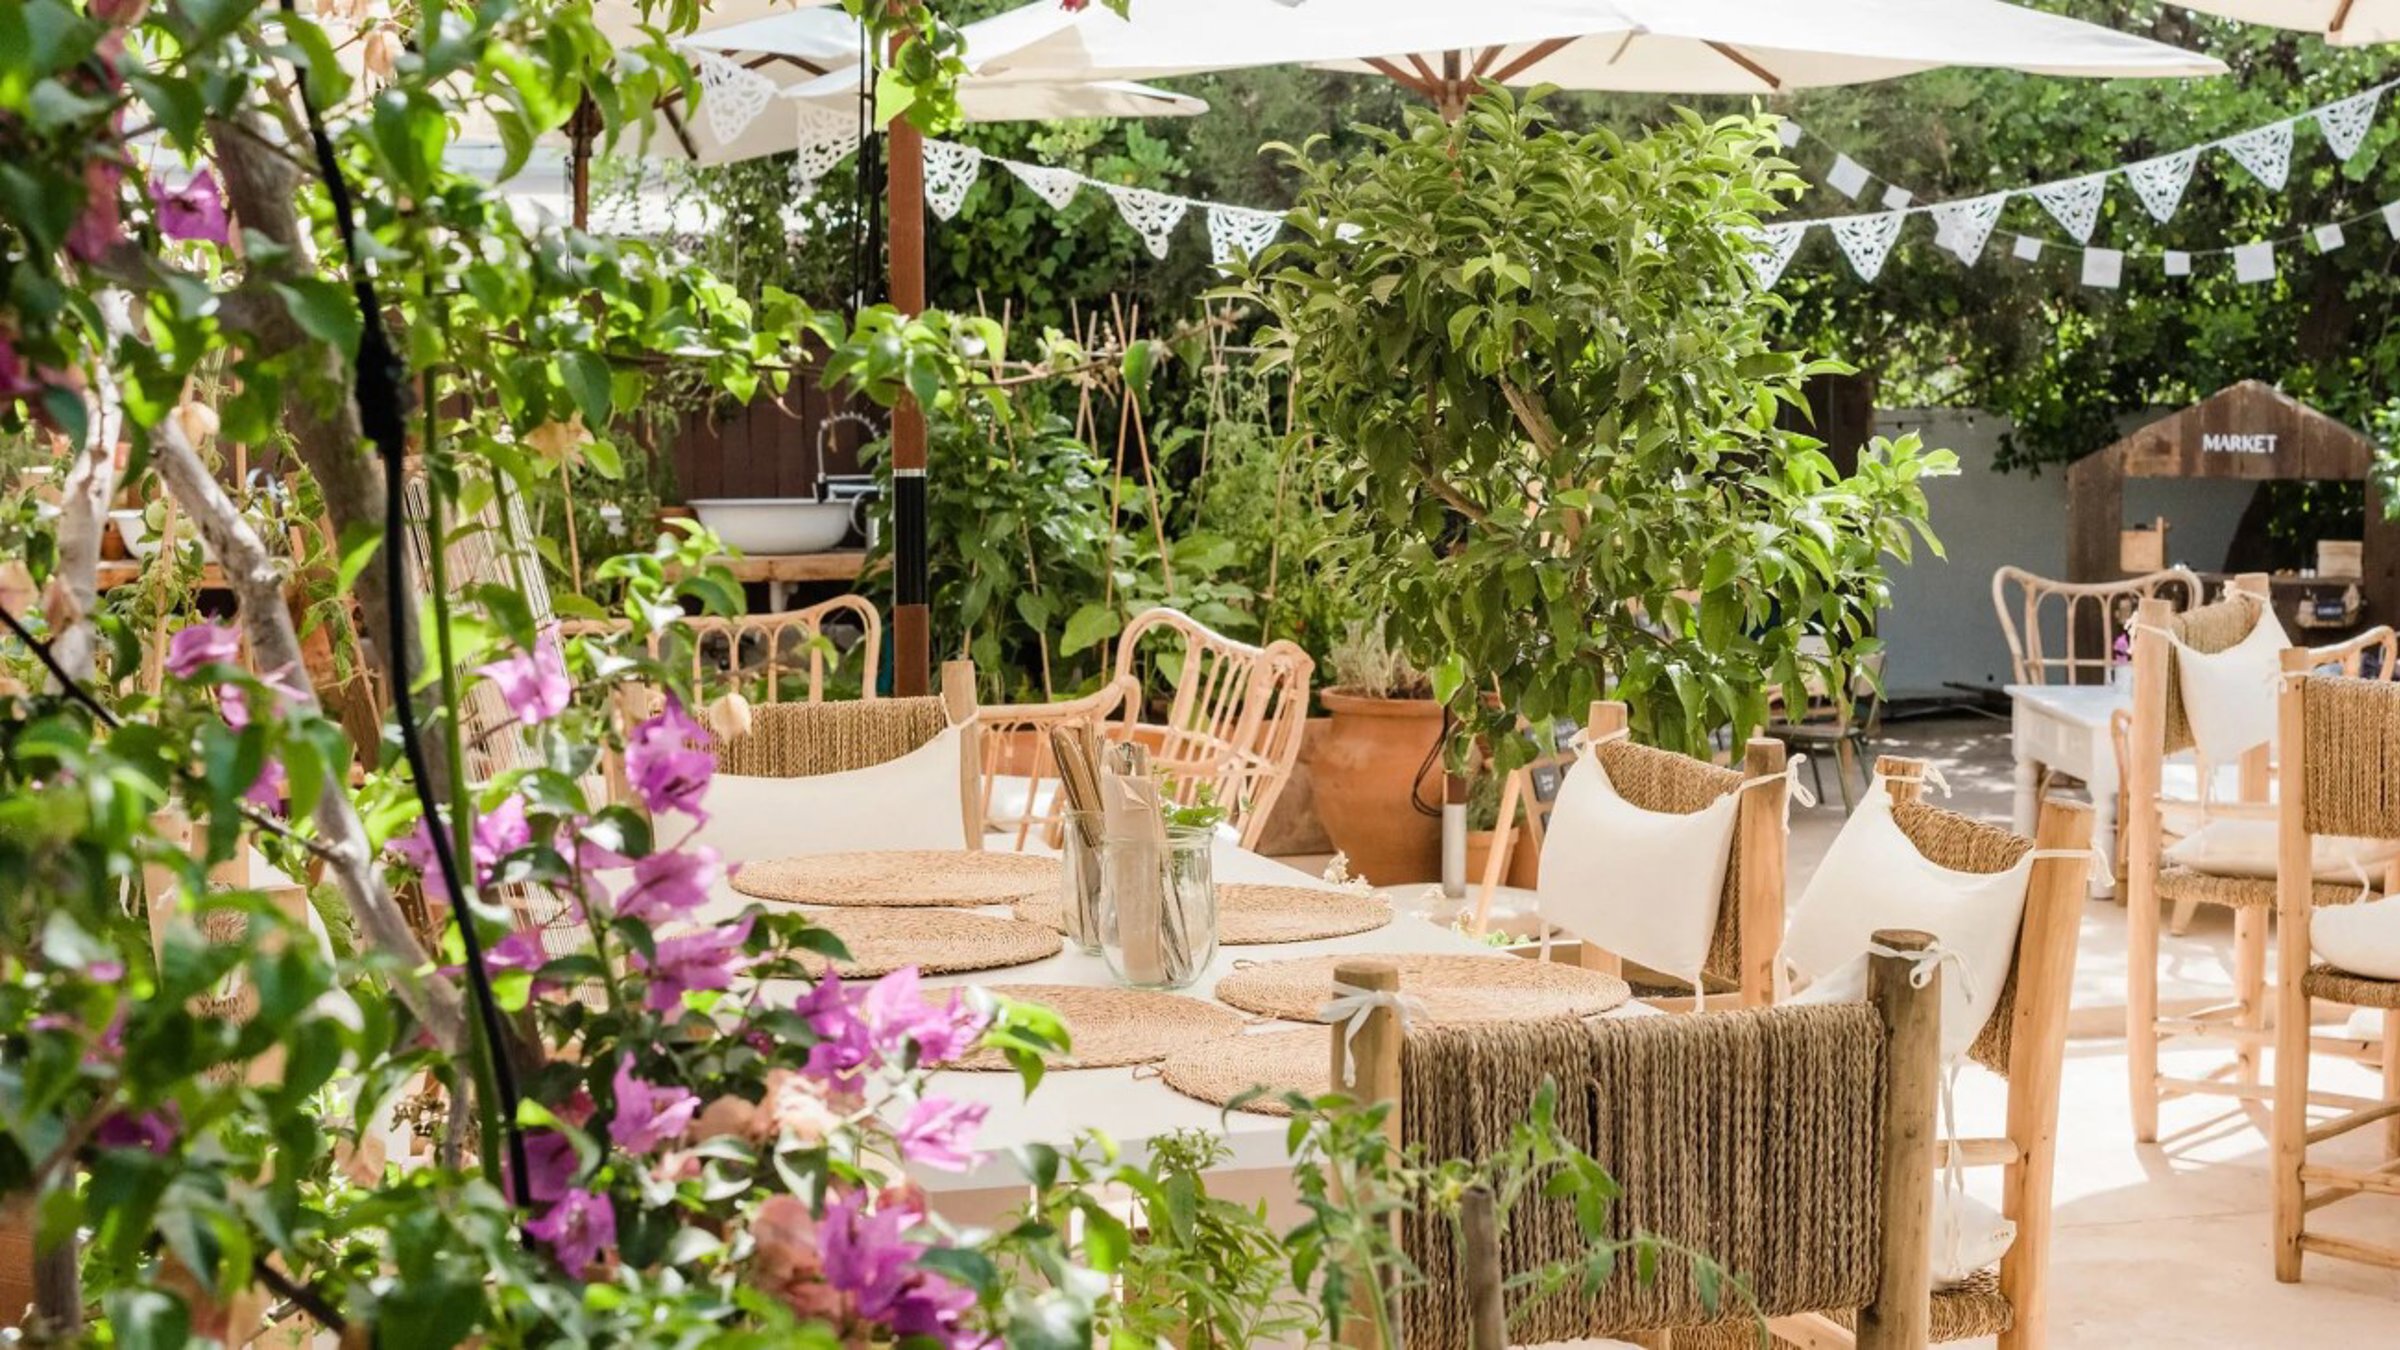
1761	842
2086	606
2302	1187
759	651
1232	727
1901	1316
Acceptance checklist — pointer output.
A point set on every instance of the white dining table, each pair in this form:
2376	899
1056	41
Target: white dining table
2065	728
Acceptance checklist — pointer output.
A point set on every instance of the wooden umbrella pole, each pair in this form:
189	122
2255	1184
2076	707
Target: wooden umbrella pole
904	199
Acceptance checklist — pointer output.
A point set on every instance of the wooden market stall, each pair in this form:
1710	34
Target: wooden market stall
2249	432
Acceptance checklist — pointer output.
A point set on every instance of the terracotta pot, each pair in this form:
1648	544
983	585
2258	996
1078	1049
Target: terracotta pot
1364	771
1479	854
1525	861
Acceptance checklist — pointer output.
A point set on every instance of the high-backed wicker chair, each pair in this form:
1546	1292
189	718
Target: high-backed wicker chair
1742	956
2158	728
804	740
2340	776
2084	615
1231	727
1794	1145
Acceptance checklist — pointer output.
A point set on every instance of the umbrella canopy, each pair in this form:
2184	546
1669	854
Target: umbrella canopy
2347	23
1441	47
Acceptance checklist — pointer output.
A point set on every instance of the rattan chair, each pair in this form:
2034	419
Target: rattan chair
1231	727
1740	970
1794	1145
803	740
2340	776
2158	728
768	658
2084	615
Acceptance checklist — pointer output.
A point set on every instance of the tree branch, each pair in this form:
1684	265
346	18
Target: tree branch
83	511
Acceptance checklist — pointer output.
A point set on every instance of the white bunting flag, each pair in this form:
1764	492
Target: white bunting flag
2345	122
2103	267
1776	245
2267	153
2254	262
826	138
2160	182
2329	238
1847	176
731	96
1867	240
2074	203
1153	215
1897	198
950	169
1055	186
1238	230
1963	226
1788	132
2027	248
2391	218
2177	262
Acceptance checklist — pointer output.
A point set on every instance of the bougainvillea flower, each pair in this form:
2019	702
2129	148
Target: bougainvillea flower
694	961
520	950
550	1165
150	1131
787	1264
577	1230
202	644
671	885
937	1132
13	381
648	1115
192	212
867	1258
533	684
897	1013
669	762
101	223
266	791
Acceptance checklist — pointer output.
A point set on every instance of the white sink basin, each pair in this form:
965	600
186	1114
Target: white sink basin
772	525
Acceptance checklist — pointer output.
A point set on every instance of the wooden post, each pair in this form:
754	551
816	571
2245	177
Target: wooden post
1479	1236
904	187
2295	897
1763	836
2054	900
958	700
2139	839
2250	923
1370	1065
1901	1317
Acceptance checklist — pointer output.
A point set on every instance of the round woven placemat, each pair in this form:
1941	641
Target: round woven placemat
906	878
1253	916
935	941
1110	1028
1451	988
1216	1072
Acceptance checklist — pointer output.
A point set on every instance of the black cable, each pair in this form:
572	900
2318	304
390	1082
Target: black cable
69	683
377	392
1416	785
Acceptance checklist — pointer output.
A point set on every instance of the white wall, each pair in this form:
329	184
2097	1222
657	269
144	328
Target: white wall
1941	629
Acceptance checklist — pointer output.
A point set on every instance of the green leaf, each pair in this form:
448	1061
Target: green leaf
325	310
1091	624
586	377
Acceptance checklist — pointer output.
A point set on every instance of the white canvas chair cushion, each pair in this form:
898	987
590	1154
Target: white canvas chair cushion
907	803
2229	696
2362	939
2246	848
1873	878
1642	884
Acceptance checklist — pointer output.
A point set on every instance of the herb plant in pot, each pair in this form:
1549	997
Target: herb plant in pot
1380	744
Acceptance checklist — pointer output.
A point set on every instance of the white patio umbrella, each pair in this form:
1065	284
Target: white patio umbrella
2345	23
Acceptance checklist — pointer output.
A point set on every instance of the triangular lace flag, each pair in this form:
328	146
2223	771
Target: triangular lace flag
1963	226
2266	152
2074	203
1055	186
1239	230
1867	240
731	96
1153	215
2160	182
1775	246
826	139
950	169
2345	121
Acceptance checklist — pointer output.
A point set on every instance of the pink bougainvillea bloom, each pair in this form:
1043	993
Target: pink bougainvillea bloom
648	1115
787	1264
550	1165
266	791
897	1013
669	762
533	684
520	950
671	885
101	223
694	961
499	832
868	1258
150	1131
193	212
936	1133
202	644
577	1230
13	381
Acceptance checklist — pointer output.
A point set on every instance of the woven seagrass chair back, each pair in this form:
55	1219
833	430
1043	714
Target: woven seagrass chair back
2065	632
2350	732
803	740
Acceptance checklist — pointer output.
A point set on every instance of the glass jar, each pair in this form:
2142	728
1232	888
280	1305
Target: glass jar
1158	907
1079	878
